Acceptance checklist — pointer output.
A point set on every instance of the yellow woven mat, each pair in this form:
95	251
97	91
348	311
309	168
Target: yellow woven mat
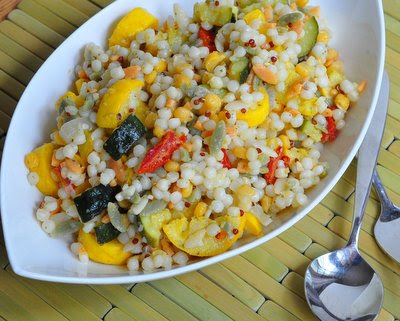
264	283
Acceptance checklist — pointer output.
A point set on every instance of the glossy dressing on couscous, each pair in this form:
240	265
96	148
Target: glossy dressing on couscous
183	135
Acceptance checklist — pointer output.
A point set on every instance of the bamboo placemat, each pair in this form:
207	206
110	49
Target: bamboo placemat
264	283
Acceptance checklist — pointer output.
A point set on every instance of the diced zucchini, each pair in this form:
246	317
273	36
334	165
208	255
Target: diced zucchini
152	225
239	69
217	16
123	138
309	129
307	43
217	138
92	202
153	207
291	17
105	233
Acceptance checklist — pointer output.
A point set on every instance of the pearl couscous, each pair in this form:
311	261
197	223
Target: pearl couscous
184	135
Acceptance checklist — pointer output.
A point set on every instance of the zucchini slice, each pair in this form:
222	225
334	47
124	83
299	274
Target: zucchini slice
240	69
92	202
152	225
123	138
307	43
105	233
217	16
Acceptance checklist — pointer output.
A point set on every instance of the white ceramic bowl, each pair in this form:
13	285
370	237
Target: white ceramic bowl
358	34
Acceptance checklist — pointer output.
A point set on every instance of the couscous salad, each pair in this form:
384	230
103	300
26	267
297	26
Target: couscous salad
183	135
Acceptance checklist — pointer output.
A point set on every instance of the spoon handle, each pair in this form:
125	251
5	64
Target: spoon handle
380	190
367	157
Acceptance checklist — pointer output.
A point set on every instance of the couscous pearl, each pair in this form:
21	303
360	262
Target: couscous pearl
107	176
138	151
216	82
48	226
147	264
175	197
93	158
217	206
307	163
182	183
340	124
297	121
233	86
210	172
163	184
180	258
133	263
117	73
33	178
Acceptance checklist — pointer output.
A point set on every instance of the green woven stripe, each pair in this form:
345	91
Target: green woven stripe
36	28
161	303
46	17
25	39
19	53
234	285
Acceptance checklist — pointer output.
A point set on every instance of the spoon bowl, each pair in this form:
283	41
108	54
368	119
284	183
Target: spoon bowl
341	285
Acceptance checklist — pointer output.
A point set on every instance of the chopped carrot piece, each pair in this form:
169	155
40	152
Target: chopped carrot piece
167	247
250	78
105	219
119	169
291	110
294	90
82	74
243	166
132	71
327	113
171	103
198	125
54	161
361	86
297	26
231	131
74	166
188	146
268	13
265	74
315	11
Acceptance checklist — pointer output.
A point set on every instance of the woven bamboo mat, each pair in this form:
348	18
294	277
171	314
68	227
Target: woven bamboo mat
264	283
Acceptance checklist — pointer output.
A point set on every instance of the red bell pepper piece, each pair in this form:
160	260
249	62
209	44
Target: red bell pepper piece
161	153
273	165
225	160
208	38
330	136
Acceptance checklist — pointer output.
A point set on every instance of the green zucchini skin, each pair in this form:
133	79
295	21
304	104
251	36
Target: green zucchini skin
123	138
92	202
309	39
105	233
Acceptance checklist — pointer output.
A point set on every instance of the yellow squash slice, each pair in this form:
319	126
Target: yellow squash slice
39	161
180	229
114	106
109	253
256	116
134	22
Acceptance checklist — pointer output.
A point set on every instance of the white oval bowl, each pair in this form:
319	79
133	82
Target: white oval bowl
358	34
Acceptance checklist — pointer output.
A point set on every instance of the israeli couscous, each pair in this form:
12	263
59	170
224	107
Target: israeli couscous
182	136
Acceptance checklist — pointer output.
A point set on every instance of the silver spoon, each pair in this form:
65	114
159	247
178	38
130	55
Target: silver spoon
387	228
341	285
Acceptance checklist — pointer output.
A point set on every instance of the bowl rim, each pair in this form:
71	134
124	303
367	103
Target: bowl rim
156	275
